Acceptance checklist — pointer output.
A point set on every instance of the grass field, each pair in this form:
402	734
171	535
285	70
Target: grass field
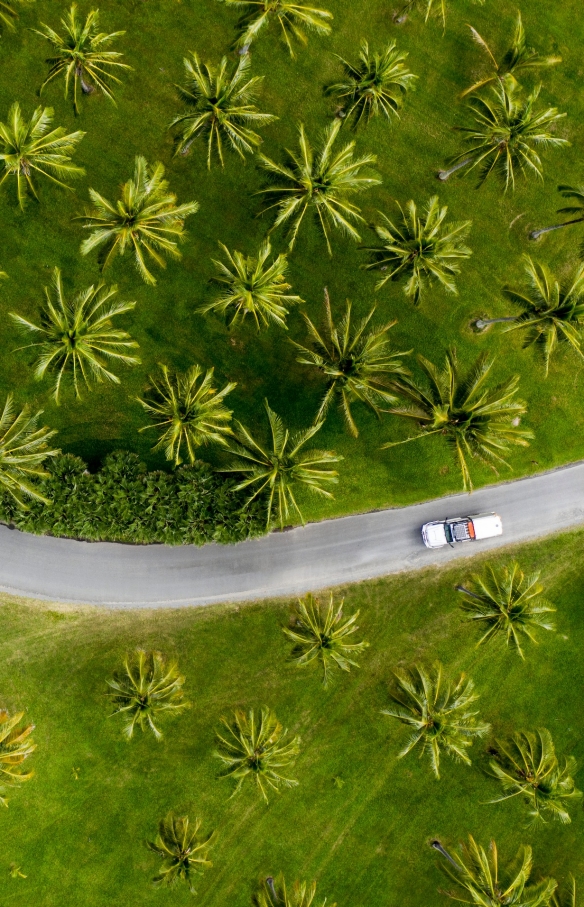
77	830
166	324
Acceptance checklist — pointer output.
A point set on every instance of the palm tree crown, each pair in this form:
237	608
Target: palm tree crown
146	220
76	337
33	148
477	421
81	55
278	894
188	411
292	16
253	286
184	850
375	85
507	603
422	247
355	361
23	450
438	714
146	688
16	745
277	469
321	183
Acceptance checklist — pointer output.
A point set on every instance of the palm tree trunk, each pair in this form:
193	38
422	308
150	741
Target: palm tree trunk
445	174
272	887
472	595
85	88
438	846
482	323
535	234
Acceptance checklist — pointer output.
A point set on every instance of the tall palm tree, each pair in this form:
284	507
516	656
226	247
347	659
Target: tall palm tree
81	55
321	183
278	469
507	603
8	13
422	246
528	767
517	58
571	192
375	85
438	713
184	850
355	360
76	337
146	688
220	108
477	421
506	134
292	16
29	148
253	286
187	412
146	220
23	450
253	749
278	894
322	633
16	745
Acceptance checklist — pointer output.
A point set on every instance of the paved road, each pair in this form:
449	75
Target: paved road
321	554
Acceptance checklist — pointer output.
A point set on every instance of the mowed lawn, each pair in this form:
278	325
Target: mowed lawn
77	830
159	33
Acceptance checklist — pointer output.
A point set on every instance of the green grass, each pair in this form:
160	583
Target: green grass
166	323
81	841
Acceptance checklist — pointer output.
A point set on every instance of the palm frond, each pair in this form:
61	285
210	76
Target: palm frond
16	745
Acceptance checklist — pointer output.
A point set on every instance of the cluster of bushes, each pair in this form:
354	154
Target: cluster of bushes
124	502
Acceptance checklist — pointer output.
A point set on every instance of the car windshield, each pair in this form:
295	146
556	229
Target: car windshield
448	533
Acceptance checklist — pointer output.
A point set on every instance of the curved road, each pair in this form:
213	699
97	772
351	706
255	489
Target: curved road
321	554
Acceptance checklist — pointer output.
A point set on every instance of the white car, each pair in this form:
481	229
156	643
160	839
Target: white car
461	529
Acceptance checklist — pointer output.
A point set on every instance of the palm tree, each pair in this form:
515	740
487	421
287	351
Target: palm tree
184	850
508	603
321	633
221	108
146	688
355	362
254	747
187	412
436	8
253	286
8	14
528	767
566	898
479	880
81	55
23	450
302	894
276	470
506	135
423	247
292	16
438	714
34	148
77	338
375	85
146	220
477	421
573	192
320	183
16	745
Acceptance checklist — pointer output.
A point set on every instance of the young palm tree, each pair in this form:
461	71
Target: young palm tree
253	286
421	246
276	470
23	450
254	747
355	361
187	412
33	148
8	14
221	108
320	183
302	894
572	192
76	338
292	16
146	688
184	850
321	633
516	59
81	55
506	135
438	714
16	745
508	603
528	767
146	220
477	421
375	85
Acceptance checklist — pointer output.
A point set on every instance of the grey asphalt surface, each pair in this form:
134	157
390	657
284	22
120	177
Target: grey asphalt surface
323	554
